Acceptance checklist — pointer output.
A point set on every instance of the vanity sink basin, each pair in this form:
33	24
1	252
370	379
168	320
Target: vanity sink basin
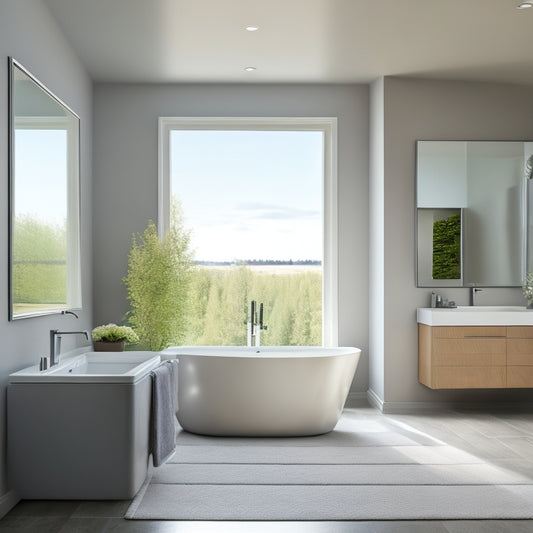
476	316
490	309
93	367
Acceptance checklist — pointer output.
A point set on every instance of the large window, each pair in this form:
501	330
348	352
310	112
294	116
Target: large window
259	196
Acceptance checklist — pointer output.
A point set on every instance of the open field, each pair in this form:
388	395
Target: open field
275	270
291	297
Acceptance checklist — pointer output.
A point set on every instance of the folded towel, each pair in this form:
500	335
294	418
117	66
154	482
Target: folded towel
162	429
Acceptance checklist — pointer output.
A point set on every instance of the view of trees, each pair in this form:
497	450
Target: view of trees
220	306
39	264
215	310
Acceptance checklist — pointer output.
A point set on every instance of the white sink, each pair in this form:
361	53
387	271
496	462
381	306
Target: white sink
92	367
491	309
476	316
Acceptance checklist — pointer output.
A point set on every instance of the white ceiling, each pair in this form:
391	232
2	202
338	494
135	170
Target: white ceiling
320	41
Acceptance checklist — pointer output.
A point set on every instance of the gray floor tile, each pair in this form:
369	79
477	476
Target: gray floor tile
44	508
489	526
491	426
117	525
522	446
521	421
32	524
109	508
277	527
85	525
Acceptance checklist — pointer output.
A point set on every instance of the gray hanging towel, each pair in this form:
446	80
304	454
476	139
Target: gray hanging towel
162	430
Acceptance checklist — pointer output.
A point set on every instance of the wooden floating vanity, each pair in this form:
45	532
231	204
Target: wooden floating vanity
475	356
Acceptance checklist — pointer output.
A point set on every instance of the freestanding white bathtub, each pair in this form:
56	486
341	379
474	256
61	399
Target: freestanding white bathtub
262	391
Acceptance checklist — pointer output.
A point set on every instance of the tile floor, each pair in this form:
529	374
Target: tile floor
503	438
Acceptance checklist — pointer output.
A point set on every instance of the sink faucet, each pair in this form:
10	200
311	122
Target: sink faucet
55	343
473	291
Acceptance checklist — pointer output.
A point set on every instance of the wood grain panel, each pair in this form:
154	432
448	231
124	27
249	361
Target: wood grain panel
475	357
520	377
469	352
424	354
520	351
520	332
461	332
479	377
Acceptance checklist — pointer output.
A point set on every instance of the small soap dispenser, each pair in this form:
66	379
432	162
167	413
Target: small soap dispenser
433	299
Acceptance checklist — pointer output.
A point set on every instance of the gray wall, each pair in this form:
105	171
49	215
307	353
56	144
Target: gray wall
29	34
414	110
125	174
376	252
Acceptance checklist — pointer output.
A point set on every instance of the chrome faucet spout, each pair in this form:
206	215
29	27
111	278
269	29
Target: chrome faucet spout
473	291
55	343
69	312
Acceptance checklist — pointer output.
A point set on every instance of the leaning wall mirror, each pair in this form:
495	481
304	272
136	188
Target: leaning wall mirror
44	204
471	206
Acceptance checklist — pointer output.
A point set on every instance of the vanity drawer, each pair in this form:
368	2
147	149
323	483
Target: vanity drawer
464	332
520	332
520	352
520	377
469	352
472	377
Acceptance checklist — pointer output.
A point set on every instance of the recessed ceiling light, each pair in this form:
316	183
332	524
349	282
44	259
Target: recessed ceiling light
252	28
524	5
249	69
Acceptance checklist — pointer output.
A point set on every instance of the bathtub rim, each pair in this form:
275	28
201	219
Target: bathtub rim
259	352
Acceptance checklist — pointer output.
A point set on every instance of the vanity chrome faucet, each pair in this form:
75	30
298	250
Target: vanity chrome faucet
55	343
473	291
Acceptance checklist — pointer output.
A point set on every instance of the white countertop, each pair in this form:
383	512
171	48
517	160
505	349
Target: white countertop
476	316
93	367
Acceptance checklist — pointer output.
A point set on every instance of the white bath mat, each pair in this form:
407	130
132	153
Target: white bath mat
326	502
376	469
324	455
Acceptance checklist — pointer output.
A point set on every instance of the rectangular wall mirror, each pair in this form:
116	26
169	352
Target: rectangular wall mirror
44	203
471	213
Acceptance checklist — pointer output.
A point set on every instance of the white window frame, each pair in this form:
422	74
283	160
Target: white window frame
327	125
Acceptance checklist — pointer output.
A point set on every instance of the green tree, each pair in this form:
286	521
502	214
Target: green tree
39	262
158	284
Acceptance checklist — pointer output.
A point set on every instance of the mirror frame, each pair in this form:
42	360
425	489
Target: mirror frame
75	240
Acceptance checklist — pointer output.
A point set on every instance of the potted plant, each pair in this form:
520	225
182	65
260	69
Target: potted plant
113	338
158	282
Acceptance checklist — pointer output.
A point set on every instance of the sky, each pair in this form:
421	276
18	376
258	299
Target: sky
41	180
250	194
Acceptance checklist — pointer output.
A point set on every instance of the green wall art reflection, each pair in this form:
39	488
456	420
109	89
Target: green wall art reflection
447	248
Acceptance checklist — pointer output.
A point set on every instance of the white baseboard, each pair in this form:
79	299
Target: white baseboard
356	399
397	408
7	502
374	400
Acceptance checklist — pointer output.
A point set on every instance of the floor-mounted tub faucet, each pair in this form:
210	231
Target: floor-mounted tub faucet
55	343
255	326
